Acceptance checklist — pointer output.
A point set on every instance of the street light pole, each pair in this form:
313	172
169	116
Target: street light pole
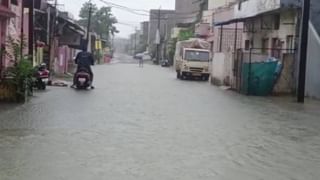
303	50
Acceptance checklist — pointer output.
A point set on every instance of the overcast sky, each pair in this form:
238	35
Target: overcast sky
74	6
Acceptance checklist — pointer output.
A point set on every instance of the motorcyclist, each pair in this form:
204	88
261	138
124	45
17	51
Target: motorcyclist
84	60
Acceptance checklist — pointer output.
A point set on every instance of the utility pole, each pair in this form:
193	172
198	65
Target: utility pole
89	22
303	50
158	36
31	28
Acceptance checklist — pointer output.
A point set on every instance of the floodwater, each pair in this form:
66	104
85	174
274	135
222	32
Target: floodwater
143	124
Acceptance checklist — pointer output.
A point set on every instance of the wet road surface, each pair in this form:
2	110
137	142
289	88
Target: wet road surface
143	124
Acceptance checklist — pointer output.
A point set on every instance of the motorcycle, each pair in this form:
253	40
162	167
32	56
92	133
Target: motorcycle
83	79
41	76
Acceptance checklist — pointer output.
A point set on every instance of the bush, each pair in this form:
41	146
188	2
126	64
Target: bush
21	77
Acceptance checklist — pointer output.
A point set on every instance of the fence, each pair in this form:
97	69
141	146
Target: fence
228	39
262	71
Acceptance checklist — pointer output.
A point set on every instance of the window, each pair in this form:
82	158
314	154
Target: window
4	3
265	45
15	2
247	45
277	22
196	56
249	26
276	47
290	44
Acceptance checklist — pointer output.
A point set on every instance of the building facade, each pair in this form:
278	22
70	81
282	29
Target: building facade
166	21
10	24
188	11
144	27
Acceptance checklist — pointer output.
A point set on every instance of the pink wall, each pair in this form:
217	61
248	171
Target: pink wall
63	57
12	27
9	26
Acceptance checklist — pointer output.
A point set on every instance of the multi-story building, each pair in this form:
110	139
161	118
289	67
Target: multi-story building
166	21
144	27
188	11
271	32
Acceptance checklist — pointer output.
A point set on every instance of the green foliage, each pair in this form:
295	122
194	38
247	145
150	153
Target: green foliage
20	75
172	48
102	20
185	34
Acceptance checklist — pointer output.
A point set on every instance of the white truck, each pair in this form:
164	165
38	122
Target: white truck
192	59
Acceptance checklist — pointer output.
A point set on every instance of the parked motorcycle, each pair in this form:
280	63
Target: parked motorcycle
83	79
41	76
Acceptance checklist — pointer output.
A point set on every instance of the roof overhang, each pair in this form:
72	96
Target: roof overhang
71	25
243	19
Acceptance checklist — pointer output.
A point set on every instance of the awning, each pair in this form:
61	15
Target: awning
231	21
6	12
72	25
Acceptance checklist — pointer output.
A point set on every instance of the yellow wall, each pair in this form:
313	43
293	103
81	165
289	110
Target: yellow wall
7	92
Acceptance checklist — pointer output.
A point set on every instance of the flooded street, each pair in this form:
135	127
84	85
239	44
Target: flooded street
143	124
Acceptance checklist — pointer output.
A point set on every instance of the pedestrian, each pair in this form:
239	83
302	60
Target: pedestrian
141	62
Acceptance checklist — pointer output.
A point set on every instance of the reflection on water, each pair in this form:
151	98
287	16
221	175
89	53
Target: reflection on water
211	135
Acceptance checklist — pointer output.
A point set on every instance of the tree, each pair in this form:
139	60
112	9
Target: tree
185	34
84	13
102	20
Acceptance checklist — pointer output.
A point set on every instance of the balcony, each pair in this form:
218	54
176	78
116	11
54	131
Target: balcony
253	8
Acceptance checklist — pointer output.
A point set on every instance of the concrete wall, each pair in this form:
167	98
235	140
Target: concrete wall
285	83
222	69
315	12
217	74
313	64
288	20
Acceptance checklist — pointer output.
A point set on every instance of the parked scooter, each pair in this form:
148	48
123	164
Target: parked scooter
41	76
83	79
